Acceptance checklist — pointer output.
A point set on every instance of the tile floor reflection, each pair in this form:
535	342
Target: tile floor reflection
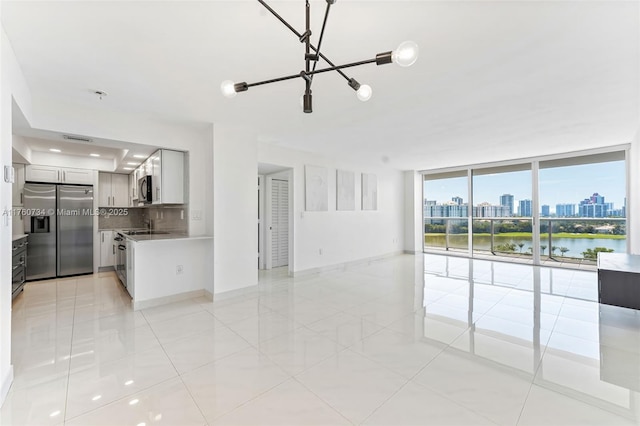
407	340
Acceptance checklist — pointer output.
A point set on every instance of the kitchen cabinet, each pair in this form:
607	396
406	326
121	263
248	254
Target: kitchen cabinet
113	189
168	177
18	186
18	265
107	249
133	187
35	173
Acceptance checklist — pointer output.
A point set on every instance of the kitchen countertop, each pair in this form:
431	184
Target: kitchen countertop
17	237
161	237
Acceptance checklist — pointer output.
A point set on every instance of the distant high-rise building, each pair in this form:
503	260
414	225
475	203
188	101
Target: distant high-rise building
565	210
457	200
489	210
447	209
596	199
594	206
546	212
524	208
507	200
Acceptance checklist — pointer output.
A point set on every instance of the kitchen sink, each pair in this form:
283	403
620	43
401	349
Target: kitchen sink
146	232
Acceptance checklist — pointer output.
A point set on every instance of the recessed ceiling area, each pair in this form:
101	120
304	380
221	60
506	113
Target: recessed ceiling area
101	154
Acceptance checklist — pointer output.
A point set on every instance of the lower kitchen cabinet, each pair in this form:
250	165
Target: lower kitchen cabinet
18	266
107	249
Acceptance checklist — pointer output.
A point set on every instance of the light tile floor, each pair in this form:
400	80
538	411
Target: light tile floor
409	340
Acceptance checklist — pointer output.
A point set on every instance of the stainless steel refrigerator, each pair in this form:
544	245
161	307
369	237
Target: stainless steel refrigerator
59	223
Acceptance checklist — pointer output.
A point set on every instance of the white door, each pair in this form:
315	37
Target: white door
279	223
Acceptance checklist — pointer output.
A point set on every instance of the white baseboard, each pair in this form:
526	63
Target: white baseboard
208	295
413	252
150	303
344	265
7	380
232	294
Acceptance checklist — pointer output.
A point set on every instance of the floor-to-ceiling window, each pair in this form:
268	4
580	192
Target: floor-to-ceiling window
583	207
445	207
550	209
502	210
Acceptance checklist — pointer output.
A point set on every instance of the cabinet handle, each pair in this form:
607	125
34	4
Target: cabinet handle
113	249
157	193
21	198
102	237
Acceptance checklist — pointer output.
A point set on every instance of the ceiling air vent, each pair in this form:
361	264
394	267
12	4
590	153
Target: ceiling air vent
77	138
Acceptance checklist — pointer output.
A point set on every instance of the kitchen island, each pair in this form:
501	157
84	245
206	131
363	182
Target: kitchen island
166	267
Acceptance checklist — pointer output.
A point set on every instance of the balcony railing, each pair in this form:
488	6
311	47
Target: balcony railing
576	240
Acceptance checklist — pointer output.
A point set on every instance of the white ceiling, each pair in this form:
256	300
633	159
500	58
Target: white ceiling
494	79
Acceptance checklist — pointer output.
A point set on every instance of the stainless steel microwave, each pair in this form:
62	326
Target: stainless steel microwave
145	189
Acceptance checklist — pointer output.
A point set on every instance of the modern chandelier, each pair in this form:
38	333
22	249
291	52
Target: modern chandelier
405	55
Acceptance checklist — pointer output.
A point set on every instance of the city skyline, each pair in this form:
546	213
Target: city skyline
561	185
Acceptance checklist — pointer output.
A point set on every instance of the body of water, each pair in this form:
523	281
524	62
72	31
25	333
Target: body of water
575	245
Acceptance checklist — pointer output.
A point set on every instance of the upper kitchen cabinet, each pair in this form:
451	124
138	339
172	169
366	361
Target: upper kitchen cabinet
113	190
34	173
18	185
168	177
133	188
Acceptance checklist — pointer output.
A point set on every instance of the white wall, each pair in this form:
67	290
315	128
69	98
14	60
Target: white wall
343	236
235	192
633	199
412	212
12	88
155	275
23	151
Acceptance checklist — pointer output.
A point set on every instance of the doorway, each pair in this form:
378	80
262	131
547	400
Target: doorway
275	211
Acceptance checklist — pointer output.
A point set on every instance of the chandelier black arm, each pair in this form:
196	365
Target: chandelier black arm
306	75
293	30
324	24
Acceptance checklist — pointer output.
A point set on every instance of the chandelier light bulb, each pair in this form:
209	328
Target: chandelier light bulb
364	92
406	54
228	90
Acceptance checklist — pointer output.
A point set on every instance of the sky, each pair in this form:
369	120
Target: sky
558	185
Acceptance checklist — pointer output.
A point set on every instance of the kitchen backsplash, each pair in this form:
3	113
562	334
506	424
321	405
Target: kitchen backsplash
162	218
169	218
133	219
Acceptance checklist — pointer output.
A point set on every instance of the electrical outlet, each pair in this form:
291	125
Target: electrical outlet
320	251
179	269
